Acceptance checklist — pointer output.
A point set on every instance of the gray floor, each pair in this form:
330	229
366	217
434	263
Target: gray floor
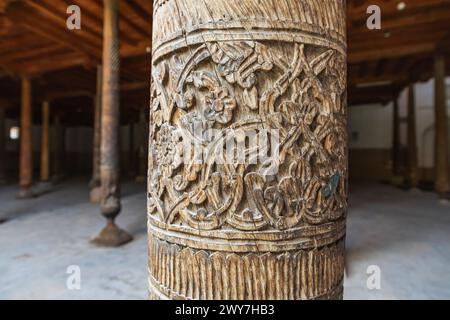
405	234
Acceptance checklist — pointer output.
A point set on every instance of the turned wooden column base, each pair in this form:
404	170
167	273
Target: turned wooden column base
112	236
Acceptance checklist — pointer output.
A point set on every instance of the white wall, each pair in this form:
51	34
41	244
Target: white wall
424	94
373	123
370	126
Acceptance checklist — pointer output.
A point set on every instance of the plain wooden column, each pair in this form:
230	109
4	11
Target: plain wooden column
45	143
59	143
442	185
2	146
26	151
143	146
131	147
396	140
111	235
413	174
95	181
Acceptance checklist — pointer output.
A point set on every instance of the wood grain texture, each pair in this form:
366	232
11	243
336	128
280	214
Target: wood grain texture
221	230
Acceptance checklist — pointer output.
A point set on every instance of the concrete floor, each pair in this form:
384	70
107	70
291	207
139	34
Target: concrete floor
405	234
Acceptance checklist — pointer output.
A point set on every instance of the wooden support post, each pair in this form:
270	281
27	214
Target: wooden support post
95	193
396	146
413	171
442	184
45	143
26	147
3	159
111	235
132	153
257	210
143	146
58	158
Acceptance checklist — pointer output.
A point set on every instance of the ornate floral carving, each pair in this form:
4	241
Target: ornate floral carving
303	105
278	71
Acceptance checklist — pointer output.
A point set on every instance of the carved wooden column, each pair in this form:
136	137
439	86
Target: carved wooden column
45	143
26	147
2	146
95	181
223	228
111	235
142	145
442	185
413	174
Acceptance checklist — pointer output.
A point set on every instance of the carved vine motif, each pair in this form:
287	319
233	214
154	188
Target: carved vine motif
219	86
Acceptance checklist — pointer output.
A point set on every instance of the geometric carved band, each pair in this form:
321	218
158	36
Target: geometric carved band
304	238
186	19
184	273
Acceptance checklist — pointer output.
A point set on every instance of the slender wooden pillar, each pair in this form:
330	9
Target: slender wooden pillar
413	171
59	149
45	143
143	146
95	181
26	148
396	147
442	184
111	235
132	149
2	146
263	227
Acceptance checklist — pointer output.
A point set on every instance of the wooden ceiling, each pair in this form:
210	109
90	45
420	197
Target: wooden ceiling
35	41
382	62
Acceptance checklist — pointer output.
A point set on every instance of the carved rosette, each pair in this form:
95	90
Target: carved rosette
227	230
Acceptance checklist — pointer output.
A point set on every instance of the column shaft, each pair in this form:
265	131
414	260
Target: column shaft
58	157
26	148
143	146
45	143
442	185
396	147
248	150
96	154
110	204
413	174
3	154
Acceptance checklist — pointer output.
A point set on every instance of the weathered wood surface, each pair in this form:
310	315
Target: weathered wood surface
221	230
45	143
413	169
110	205
95	181
26	151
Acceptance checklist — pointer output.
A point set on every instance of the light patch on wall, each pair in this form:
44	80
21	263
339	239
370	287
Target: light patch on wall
448	94
14	133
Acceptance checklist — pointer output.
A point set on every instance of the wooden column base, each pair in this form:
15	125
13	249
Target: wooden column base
112	236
